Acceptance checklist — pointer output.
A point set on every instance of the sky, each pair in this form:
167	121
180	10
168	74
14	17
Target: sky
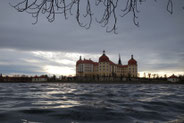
53	48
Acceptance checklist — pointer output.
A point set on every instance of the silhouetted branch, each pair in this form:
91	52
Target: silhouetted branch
131	6
108	18
110	9
170	6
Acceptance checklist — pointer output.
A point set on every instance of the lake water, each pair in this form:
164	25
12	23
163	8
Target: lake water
91	103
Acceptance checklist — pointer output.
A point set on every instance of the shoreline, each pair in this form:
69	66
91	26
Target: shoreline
103	82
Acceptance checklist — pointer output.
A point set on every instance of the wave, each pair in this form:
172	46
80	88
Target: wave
88	103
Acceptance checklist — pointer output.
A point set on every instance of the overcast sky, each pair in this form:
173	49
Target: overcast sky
54	48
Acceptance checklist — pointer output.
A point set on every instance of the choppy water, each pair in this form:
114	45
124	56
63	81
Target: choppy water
88	103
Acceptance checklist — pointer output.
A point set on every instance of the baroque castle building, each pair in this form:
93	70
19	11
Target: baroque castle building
105	67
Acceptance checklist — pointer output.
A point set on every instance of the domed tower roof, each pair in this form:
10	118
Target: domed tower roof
79	61
132	61
104	58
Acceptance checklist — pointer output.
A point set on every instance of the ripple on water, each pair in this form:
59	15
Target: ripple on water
130	103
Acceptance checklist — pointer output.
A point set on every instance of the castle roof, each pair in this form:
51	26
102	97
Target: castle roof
85	61
132	61
111	63
123	66
95	63
79	62
104	58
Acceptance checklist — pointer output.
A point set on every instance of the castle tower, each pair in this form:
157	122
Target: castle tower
132	67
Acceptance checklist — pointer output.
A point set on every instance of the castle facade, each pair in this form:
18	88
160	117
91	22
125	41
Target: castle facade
105	67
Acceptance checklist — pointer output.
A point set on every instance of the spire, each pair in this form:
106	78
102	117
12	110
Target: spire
80	58
103	52
132	56
119	62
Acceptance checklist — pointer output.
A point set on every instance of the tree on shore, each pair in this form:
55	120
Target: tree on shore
144	75
149	75
85	10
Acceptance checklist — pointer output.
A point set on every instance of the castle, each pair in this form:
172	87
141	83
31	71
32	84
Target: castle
105	67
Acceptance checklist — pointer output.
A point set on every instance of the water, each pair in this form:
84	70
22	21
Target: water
91	103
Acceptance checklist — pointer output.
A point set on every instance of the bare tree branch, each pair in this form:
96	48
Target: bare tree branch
108	19
170	6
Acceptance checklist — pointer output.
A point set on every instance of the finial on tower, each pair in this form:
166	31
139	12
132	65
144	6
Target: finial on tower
132	56
103	52
80	58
